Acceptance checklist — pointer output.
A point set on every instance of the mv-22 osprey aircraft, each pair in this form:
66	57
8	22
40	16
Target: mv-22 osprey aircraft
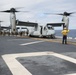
65	18
12	18
48	29
39	30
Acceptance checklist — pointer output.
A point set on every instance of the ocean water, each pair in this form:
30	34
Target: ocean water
72	33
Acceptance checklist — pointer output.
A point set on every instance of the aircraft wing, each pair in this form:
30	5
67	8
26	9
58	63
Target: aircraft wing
56	24
2	27
29	24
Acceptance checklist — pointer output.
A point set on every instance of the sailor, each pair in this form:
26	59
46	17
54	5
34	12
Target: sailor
64	33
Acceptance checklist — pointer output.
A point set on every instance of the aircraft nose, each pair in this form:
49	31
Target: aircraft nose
50	32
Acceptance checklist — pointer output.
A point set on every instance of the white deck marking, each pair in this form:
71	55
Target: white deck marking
31	43
67	58
17	69
71	74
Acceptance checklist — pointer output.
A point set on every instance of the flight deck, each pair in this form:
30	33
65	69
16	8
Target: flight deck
37	56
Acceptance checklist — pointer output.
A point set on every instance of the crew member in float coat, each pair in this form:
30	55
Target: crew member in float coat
64	33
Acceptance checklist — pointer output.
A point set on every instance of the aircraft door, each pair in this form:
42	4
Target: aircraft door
45	31
41	28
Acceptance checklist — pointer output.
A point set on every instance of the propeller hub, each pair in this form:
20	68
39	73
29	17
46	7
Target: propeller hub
66	14
12	10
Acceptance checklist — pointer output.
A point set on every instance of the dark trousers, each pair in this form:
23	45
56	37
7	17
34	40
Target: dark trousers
64	41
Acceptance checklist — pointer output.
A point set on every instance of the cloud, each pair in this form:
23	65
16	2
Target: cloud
37	9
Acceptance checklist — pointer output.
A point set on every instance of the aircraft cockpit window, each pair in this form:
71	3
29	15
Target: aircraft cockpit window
50	27
17	28
44	28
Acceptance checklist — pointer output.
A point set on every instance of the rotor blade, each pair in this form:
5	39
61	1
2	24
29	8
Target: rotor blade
17	11
72	12
1	21
53	14
50	13
59	14
47	13
6	11
24	11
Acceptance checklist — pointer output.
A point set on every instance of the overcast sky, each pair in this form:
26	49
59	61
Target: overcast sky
36	9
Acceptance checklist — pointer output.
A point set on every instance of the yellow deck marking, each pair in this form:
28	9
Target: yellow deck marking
54	40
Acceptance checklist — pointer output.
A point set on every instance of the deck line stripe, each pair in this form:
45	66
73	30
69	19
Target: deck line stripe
31	43
71	74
